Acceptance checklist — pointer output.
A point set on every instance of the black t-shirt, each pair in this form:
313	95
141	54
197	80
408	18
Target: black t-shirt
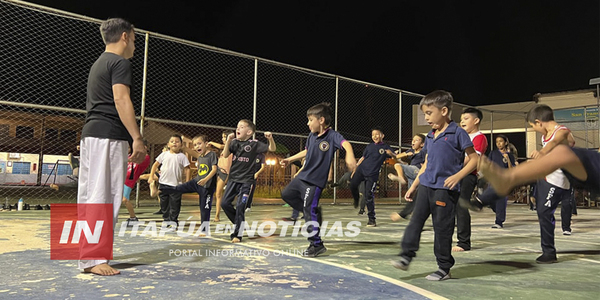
244	159
102	120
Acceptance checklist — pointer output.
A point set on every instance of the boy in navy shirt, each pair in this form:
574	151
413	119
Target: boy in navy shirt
367	172
241	174
438	183
304	191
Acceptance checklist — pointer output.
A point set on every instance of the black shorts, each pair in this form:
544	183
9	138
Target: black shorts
591	162
222	174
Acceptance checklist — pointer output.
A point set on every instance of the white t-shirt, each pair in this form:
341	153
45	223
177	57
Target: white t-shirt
557	177
171	171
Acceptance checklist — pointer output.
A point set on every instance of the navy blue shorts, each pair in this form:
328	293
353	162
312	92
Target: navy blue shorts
591	162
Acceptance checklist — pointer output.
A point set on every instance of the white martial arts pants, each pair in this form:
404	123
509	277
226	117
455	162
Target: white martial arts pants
102	171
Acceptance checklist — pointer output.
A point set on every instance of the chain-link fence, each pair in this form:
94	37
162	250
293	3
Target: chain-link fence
179	87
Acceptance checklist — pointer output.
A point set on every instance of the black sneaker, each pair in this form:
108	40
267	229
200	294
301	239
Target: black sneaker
293	220
361	212
546	258
314	251
130	221
473	204
371	223
335	184
159	212
401	264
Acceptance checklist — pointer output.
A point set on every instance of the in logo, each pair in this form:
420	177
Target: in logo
324	146
81	231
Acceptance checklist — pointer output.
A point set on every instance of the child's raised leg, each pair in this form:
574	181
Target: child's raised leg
504	180
219	196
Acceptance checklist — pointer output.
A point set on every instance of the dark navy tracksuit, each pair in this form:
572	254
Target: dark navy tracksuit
304	191
445	157
367	174
241	181
489	196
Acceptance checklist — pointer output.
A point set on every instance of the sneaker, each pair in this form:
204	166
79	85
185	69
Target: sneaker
371	223
438	275
566	232
401	264
497	226
546	258
130	221
361	212
314	251
285	205
473	204
248	210
159	212
333	185
293	220
170	228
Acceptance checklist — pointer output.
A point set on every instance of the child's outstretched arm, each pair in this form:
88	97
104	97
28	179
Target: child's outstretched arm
560	137
350	159
227	143
471	165
272	145
153	172
262	168
413	187
295	157
217	145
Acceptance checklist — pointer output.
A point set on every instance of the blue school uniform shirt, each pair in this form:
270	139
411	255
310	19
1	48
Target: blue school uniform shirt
374	156
499	159
319	154
445	156
417	159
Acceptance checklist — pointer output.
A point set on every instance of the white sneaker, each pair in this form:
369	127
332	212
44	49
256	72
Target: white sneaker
566	232
248	209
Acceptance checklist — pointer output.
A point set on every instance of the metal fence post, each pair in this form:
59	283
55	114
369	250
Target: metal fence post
337	85
142	110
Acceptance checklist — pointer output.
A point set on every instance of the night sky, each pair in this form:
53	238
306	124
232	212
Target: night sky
482	51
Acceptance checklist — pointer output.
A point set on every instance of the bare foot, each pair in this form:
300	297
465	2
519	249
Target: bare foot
496	176
102	270
235	240
216	219
153	190
457	249
54	186
396	178
395	217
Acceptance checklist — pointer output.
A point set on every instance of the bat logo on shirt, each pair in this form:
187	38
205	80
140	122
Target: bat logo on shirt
324	146
202	170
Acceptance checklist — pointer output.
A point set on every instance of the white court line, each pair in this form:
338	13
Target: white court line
410	287
590	260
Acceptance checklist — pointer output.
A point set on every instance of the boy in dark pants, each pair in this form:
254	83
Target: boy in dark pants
204	182
241	174
438	184
470	120
304	191
367	172
555	187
